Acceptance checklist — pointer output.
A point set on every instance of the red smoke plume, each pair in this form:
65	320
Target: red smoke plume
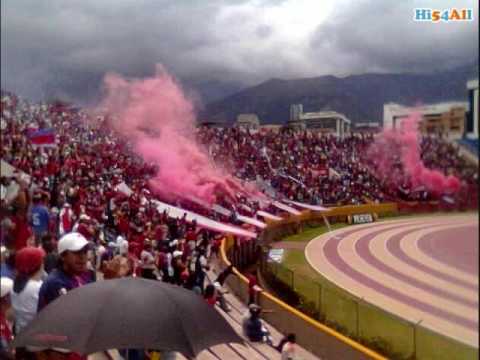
403	147
157	118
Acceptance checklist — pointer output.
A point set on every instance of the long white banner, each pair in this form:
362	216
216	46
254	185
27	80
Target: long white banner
307	206
203	221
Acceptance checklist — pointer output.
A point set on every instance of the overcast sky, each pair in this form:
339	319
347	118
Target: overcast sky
64	47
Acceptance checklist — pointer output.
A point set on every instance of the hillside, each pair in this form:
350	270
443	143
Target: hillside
359	97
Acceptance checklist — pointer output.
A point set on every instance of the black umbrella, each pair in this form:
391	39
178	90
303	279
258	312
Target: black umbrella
128	313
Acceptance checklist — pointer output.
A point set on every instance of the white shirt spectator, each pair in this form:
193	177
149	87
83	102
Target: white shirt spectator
288	352
148	260
25	304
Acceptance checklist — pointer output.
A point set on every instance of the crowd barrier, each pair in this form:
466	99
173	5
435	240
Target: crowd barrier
331	305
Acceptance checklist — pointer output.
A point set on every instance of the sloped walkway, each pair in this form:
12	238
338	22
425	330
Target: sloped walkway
251	350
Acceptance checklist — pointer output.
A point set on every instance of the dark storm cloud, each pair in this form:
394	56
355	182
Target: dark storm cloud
63	48
381	36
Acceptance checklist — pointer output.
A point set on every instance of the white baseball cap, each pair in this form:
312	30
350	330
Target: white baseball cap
177	253
71	242
123	247
6	286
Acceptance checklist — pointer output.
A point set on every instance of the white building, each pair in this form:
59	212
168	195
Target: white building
367	127
330	122
472	116
447	118
250	121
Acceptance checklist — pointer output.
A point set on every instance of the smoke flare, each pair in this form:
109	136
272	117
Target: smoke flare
402	147
157	118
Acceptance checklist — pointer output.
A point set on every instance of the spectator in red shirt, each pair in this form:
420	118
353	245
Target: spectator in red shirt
253	287
210	295
22	233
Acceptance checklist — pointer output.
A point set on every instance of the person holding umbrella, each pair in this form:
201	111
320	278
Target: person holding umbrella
125	313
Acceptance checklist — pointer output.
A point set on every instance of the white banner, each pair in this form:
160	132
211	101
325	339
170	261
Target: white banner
251	221
286	208
307	206
203	221
267	215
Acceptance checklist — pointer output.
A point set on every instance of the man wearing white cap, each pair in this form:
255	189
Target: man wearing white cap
6	336
72	271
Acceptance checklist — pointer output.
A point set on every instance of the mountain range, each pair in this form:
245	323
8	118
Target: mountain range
359	97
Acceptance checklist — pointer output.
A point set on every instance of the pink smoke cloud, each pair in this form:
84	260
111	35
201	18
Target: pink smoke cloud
402	147
159	120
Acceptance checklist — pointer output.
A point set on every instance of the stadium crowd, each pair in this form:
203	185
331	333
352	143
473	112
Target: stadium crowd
69	220
73	191
309	167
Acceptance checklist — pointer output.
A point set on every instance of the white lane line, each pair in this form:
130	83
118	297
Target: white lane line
378	248
346	250
317	259
409	245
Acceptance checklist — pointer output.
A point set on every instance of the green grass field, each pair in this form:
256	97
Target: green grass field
311	233
355	317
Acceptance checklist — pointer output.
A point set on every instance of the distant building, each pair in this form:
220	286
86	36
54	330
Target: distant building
446	118
249	121
213	123
329	122
296	111
367	127
471	126
271	127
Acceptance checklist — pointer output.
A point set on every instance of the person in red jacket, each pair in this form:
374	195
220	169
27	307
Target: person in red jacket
22	233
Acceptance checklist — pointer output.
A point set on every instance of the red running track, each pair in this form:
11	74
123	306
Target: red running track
421	268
